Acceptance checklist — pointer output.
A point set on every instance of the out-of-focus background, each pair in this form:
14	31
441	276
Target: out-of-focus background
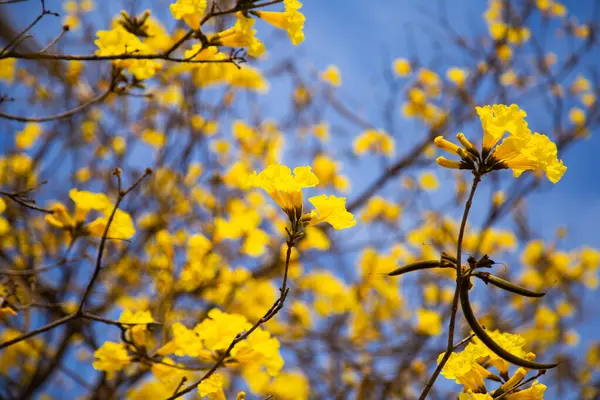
391	74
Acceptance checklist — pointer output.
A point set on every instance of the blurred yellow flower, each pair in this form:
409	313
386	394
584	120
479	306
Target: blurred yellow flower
7	69
154	138
332	76
376	141
241	35
27	137
429	322
428	181
111	357
402	67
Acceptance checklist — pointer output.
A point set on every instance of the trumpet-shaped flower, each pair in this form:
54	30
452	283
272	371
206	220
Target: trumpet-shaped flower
283	187
508	341
121	225
291	20
536	152
330	209
535	392
498	119
520	151
111	357
189	10
241	35
464	369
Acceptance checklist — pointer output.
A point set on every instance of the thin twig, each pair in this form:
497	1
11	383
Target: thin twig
459	279
65	114
64	30
98	267
80	313
17	198
278	305
36	332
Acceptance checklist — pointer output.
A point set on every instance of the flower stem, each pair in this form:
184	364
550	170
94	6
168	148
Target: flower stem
459	282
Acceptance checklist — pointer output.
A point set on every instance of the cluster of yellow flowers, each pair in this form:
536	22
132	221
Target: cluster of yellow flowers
119	41
470	369
374	141
522	150
121	227
426	86
145	37
256	358
285	189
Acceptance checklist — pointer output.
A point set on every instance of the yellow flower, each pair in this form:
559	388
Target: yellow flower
26	138
257	355
139	321
185	342
588	99
537	153
208	128
154	138
327	171
330	209
402	67
7	69
428	181
212	387
290	20
119	41
241	35
379	208
283	187
119	145
577	116
498	198
535	392
237	175
457	76
520	151
189	10
581	84
429	322
428	78
321	131
111	357
498	119
504	52
376	141
508	341
332	76
332	296
464	368
121	227
314	238
288	386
